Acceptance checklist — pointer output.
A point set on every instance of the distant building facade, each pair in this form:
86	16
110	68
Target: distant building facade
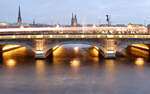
148	27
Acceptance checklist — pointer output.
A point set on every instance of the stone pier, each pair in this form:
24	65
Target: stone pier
39	49
109	48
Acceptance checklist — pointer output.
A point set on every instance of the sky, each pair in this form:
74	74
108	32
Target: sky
88	11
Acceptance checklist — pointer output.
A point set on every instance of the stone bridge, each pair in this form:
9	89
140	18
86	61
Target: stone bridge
42	45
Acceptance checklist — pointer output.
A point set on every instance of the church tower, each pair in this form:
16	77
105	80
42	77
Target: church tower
19	17
74	20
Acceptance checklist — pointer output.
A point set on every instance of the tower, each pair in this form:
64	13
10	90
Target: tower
19	16
33	21
108	19
74	20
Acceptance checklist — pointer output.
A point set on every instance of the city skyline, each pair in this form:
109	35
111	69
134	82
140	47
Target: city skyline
93	12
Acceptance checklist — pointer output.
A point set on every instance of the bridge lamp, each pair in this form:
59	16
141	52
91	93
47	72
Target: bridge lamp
82	36
29	36
67	36
110	36
14	36
76	48
98	36
51	36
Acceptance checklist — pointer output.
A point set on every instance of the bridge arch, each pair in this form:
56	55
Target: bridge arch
60	43
124	45
28	46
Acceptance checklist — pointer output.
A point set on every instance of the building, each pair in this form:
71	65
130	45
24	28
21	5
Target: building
74	20
148	27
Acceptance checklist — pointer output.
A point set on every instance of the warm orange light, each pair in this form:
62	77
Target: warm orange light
76	48
96	47
110	65
75	63
139	61
11	63
7	47
67	36
40	66
144	46
95	52
57	50
82	36
57	46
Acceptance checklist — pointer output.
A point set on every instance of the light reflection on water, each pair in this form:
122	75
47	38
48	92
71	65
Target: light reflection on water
75	63
72	74
139	62
110	65
10	63
40	66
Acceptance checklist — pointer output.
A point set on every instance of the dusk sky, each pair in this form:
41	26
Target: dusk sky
88	11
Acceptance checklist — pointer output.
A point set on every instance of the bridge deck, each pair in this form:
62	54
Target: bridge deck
74	36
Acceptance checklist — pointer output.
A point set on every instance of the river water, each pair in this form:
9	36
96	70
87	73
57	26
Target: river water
74	73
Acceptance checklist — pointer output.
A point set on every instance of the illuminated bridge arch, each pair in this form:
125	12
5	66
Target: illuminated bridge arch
28	45
125	44
98	44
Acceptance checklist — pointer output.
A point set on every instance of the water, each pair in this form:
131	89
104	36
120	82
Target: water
80	74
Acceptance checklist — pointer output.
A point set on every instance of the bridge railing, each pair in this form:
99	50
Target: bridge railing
75	36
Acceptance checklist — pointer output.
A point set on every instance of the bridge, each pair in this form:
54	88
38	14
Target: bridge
42	41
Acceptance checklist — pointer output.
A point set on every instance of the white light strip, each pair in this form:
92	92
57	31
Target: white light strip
10	47
110	52
134	45
57	29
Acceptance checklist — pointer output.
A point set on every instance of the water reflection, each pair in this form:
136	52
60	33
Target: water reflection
139	62
73	74
40	66
110	65
75	63
10	63
110	72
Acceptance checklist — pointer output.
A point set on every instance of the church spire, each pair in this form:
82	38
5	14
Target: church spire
19	16
74	20
75	17
33	21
